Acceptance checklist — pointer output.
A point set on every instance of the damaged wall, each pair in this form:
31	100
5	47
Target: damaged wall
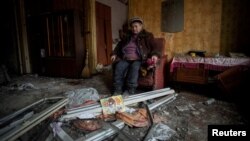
203	23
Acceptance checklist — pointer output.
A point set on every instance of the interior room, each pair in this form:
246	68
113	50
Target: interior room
56	69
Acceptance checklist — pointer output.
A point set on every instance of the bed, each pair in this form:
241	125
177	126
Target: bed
196	69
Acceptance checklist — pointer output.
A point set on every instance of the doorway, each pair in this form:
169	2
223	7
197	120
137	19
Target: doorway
103	33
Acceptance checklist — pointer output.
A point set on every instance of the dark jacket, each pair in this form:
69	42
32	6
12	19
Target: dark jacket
145	45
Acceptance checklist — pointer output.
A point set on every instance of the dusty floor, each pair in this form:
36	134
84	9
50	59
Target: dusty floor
24	90
189	115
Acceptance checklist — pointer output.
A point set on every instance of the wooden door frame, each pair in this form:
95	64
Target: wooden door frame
91	37
104	33
22	38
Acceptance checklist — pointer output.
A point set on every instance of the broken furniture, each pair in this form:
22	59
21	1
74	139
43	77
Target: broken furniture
196	69
15	125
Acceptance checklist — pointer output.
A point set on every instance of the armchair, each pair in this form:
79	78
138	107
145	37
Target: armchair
156	78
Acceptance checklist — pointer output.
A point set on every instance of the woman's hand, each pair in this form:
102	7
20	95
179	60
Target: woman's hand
113	58
152	62
154	58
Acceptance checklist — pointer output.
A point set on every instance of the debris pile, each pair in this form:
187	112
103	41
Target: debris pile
16	124
22	87
83	115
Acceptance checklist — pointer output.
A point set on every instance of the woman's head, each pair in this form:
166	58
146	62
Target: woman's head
136	25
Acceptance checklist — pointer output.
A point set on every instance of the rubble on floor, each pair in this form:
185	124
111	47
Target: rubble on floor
76	104
15	125
4	76
186	116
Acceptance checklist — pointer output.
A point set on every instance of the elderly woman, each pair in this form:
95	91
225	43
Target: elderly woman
130	53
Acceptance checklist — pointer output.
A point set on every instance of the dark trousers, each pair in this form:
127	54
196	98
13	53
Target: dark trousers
126	70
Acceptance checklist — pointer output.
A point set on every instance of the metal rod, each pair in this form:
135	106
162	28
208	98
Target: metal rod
98	109
96	105
150	92
63	135
74	110
152	96
150	116
103	133
16	123
162	101
20	130
80	109
152	106
9	117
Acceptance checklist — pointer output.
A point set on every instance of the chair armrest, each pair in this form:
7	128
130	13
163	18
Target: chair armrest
160	73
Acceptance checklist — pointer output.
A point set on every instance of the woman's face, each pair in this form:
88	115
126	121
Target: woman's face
136	27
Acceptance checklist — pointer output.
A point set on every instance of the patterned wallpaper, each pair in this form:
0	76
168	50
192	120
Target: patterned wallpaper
149	11
202	20
201	28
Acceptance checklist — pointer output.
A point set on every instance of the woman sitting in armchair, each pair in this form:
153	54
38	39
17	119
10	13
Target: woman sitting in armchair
134	49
